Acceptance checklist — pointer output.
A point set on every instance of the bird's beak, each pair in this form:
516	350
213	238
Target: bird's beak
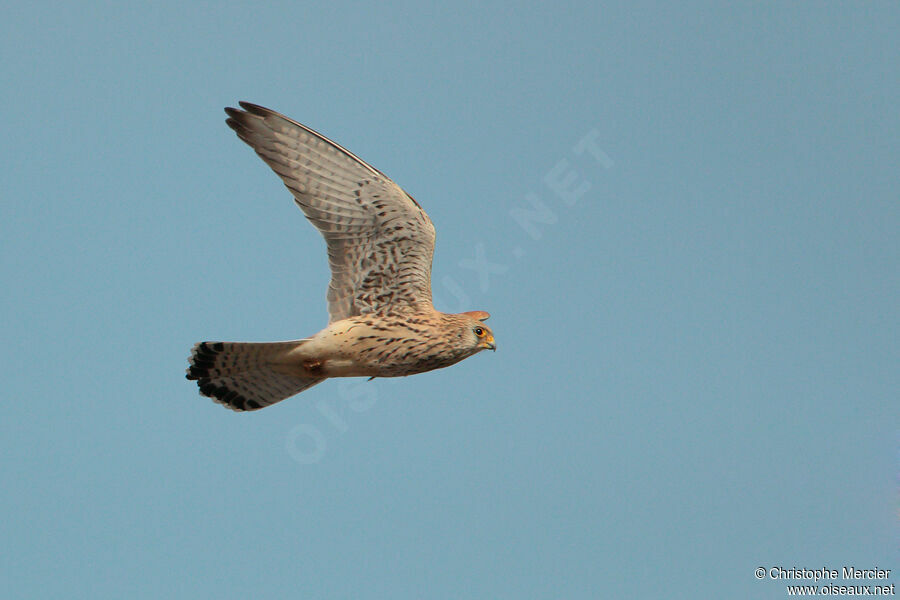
489	344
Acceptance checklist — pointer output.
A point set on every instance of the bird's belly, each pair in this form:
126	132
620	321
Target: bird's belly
371	366
356	348
347	367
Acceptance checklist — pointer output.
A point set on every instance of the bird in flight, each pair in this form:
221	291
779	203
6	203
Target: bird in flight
380	245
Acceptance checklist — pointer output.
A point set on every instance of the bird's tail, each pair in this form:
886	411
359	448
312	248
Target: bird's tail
246	376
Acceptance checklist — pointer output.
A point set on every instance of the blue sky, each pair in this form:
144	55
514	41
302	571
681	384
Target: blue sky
683	222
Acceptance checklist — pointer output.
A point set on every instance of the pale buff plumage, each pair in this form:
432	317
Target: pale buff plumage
380	245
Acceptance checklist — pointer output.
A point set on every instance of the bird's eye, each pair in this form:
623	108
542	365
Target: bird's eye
479	331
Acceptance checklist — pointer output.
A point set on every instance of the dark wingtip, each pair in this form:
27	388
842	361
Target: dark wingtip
236	119
255	109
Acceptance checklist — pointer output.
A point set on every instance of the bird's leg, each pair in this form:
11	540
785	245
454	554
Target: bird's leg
313	366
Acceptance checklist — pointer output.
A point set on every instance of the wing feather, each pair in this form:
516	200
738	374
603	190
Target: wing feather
380	241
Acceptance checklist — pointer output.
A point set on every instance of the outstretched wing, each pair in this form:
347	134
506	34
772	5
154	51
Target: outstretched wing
380	241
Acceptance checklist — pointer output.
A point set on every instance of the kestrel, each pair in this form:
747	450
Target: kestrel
380	244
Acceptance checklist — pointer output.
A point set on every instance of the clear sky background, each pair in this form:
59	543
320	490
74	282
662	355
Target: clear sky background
684	222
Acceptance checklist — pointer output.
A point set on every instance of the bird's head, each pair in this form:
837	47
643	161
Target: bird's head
477	333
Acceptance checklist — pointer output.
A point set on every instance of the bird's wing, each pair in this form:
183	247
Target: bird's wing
380	241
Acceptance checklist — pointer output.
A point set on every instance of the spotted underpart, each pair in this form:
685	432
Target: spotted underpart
380	245
406	343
